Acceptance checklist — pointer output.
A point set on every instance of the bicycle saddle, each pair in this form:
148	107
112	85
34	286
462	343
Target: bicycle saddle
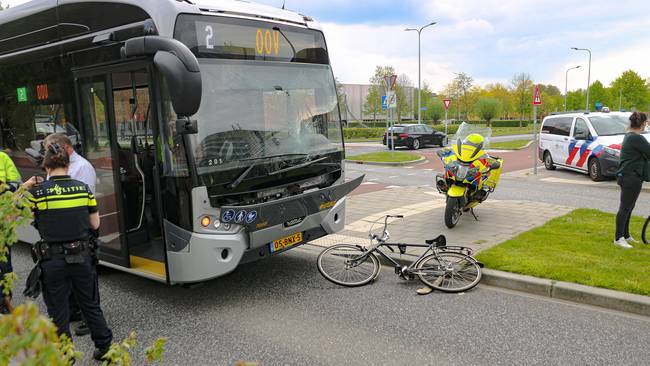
440	241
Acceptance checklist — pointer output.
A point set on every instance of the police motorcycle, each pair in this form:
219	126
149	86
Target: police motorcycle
470	174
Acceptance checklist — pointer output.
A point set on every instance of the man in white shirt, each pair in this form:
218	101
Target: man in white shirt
80	169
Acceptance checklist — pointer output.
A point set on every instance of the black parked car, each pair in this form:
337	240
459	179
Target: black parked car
416	136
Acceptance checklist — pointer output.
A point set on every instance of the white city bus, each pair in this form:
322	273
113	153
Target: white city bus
213	125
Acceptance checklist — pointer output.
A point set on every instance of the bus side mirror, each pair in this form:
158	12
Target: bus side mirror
177	64
495	165
186	127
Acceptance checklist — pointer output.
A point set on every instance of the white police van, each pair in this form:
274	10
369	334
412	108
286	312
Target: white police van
584	142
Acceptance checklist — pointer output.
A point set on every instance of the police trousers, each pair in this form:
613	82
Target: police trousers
60	279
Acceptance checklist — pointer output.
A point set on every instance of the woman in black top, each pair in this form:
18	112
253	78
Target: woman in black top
631	173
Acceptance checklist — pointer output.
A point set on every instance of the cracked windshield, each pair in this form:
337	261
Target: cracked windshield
256	110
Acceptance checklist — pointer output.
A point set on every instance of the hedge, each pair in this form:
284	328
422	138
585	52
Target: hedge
507	123
357	133
495	123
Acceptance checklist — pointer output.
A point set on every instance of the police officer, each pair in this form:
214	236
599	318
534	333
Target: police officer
80	169
64	212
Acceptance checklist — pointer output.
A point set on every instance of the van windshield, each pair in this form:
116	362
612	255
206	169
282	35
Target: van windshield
610	125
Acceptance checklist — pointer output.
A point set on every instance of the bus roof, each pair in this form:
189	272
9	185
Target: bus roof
162	12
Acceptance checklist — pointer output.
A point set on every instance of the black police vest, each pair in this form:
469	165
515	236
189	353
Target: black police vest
61	208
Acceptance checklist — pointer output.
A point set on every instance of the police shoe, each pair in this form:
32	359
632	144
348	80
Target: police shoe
82	330
100	352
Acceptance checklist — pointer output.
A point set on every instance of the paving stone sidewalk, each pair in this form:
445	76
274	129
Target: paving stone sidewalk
423	208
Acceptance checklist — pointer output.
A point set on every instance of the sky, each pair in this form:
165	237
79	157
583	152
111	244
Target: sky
490	40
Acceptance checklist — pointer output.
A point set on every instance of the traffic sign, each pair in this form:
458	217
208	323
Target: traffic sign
537	98
447	103
391	99
384	106
390	81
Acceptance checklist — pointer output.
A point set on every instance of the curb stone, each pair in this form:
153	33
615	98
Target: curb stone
609	299
421	159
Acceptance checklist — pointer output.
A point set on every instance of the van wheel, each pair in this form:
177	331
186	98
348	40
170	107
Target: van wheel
595	171
548	161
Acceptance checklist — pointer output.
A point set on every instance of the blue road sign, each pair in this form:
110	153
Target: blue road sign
598	106
384	105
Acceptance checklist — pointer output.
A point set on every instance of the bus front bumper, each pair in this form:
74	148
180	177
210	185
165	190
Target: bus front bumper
208	256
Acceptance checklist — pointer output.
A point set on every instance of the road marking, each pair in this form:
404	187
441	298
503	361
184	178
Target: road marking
410	174
391	187
408	167
368	183
363	224
428	170
571	181
392	176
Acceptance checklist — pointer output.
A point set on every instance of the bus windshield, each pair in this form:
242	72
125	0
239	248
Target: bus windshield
257	110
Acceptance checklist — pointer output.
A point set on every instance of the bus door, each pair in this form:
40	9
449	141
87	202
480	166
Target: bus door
120	130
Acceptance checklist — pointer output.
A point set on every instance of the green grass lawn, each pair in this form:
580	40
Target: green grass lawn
505	131
385	157
577	248
367	139
509	145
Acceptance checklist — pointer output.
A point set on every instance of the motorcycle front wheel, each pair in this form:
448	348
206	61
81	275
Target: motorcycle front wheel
452	211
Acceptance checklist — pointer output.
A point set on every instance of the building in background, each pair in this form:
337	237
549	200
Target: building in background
355	99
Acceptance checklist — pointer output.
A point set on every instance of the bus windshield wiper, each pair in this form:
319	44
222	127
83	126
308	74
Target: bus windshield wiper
246	172
272	157
298	166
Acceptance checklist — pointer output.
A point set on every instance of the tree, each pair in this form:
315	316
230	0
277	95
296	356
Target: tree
342	98
522	88
428	98
404	83
463	83
599	94
488	108
634	89
501	93
372	105
435	110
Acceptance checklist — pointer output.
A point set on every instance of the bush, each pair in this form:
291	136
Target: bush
508	123
358	132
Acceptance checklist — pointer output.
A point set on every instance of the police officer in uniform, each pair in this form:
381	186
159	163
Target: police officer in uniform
65	211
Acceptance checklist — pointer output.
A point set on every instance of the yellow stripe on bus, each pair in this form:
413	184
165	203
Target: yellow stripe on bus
147	265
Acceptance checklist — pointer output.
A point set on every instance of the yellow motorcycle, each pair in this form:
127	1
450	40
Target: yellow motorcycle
470	176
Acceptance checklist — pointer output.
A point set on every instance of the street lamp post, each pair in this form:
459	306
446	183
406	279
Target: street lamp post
420	67
566	84
588	73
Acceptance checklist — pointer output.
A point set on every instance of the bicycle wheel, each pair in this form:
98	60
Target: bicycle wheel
644	237
348	265
449	271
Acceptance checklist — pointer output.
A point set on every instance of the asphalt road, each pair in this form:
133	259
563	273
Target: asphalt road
282	312
561	187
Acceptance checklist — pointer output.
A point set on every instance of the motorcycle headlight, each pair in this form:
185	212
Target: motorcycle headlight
613	152
462	171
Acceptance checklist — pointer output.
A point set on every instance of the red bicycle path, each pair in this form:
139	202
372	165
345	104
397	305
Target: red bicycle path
514	160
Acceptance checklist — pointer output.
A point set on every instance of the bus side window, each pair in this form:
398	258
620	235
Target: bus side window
173	152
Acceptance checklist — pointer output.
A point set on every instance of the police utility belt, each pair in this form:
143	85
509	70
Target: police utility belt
72	252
